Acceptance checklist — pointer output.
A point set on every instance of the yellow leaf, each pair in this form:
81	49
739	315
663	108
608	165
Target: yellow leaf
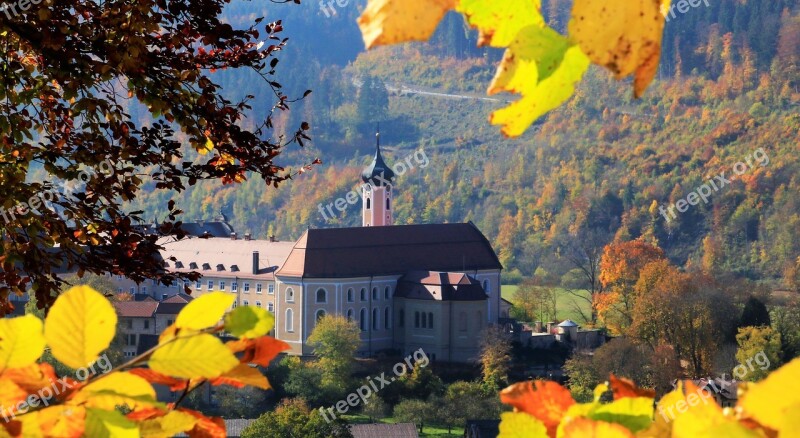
624	37
204	311
116	389
540	98
167	426
585	428
499	22
249	322
399	21
241	376
10	395
57	421
520	425
207	147
109	424
81	324
197	356
775	401
21	341
696	414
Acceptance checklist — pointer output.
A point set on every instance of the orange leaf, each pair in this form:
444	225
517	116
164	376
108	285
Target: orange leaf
62	420
241	376
145	413
546	401
207	427
265	349
622	388
32	378
586	428
151	376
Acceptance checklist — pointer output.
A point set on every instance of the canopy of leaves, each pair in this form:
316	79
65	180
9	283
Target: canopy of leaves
72	71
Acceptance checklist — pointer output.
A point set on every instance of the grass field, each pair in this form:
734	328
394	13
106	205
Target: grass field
565	303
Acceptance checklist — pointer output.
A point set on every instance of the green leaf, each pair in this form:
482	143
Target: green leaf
249	322
540	98
108	424
635	413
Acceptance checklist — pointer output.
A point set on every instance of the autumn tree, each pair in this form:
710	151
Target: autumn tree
584	251
335	340
620	267
755	341
688	311
495	356
535	302
72	72
293	418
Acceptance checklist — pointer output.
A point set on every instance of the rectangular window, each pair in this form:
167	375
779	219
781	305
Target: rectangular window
245	303
210	284
133	290
271	289
130	324
144	289
270	307
247	288
221	285
258	304
146	324
258	288
198	285
234	286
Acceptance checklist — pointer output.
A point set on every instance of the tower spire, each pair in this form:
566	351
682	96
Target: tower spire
378	137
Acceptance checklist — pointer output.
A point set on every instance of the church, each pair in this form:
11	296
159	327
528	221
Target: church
430	286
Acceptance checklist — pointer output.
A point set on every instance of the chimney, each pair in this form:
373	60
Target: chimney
247	236
537	326
233	236
550	326
255	262
272	238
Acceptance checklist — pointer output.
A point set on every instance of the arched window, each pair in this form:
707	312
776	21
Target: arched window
416	319
363	294
374	294
320	314
387	292
289	320
486	286
375	324
388	204
424	320
289	295
369	203
401	320
322	296
430	320
362	323
349	314
350	295
462	321
387	324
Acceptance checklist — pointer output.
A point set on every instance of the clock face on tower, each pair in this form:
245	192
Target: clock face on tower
367	188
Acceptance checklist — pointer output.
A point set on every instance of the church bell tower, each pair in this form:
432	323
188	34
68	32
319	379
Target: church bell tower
376	193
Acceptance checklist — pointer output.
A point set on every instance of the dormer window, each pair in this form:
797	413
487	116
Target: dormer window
206	267
220	267
192	265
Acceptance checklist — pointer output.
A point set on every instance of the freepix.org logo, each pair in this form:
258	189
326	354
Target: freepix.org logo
14	9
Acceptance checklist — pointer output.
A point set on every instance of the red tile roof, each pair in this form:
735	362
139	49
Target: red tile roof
136	309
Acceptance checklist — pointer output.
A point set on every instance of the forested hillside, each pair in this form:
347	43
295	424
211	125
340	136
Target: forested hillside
601	166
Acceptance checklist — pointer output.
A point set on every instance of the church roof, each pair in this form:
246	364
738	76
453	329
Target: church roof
378	171
390	250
